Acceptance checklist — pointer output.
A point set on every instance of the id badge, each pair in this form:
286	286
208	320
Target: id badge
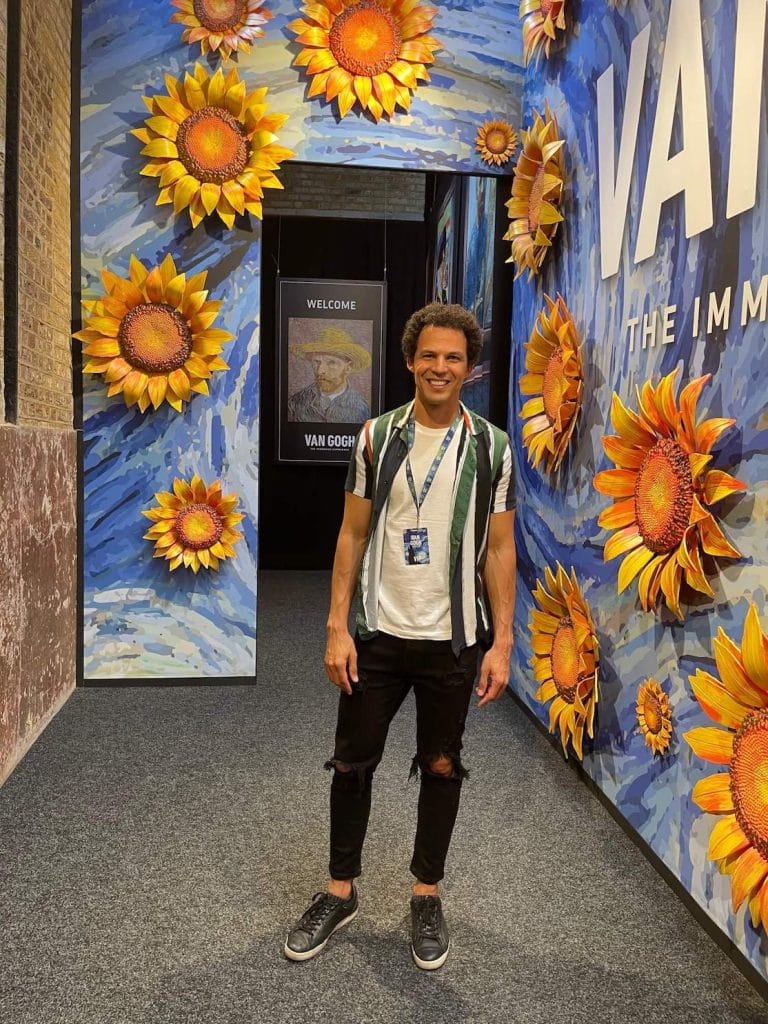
416	546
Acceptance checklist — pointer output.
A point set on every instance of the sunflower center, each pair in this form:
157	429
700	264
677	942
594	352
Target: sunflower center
664	496
496	141
553	388
749	779
365	39
155	338
212	145
565	660
220	15
198	527
652	713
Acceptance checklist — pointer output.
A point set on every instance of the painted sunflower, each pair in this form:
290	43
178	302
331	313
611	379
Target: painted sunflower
541	19
663	487
370	52
194	525
537	191
221	26
211	145
654	716
555	378
565	657
496	141
152	335
738	700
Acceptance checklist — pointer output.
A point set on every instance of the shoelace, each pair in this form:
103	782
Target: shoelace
429	918
323	904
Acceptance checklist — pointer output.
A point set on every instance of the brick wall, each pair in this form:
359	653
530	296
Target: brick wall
314	190
38	453
3	43
45	370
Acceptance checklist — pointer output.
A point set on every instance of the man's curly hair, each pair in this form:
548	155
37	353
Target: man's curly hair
437	314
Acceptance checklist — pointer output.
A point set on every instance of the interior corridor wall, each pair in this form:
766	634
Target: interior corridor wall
141	620
696	271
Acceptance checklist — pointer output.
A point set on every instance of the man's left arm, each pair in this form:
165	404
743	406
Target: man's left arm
500	571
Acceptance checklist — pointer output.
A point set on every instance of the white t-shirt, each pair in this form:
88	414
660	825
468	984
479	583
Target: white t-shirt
414	600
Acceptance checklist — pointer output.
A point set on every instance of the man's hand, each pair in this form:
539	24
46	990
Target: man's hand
494	674
341	659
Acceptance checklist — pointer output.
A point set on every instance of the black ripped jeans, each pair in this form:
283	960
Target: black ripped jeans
388	667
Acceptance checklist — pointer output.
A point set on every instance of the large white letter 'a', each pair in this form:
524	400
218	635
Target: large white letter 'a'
688	171
614	186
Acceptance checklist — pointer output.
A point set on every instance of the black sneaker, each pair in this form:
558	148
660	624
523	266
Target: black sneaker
429	933
325	915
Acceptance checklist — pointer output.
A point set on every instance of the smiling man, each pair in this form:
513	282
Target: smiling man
427	541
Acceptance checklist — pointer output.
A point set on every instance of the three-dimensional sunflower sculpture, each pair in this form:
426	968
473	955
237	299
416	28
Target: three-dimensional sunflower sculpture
194	525
370	52
565	656
152	335
537	191
654	716
662	490
542	19
496	141
221	26
738	700
212	145
555	378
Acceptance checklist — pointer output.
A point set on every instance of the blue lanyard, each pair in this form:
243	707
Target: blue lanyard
418	502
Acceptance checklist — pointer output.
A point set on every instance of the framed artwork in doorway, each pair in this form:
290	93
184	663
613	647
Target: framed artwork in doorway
444	268
477	251
330	366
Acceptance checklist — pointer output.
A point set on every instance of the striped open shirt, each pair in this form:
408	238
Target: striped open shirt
484	484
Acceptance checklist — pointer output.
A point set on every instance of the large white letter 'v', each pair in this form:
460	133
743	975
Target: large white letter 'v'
614	186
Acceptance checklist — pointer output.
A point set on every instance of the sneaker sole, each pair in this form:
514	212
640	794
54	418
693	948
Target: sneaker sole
430	965
291	954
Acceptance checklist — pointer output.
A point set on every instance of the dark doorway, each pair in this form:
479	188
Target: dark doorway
300	506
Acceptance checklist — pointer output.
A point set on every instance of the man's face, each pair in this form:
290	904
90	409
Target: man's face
440	366
331	372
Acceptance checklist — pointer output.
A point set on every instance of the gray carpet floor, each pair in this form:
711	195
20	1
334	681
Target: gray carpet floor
156	843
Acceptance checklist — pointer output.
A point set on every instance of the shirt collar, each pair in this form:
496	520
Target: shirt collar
402	422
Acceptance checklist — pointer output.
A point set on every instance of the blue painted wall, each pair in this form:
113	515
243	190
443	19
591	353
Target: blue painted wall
557	519
140	621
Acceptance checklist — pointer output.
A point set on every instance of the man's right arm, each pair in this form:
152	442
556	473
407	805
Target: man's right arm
340	653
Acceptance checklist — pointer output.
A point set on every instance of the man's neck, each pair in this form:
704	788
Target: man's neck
442	416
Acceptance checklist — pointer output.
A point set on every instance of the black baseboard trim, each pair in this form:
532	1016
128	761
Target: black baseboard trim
159	683
749	971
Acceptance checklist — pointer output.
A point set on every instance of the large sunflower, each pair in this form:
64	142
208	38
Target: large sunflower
496	141
654	716
212	145
662	489
152	335
370	52
555	378
221	26
737	700
194	525
542	17
565	656
537	191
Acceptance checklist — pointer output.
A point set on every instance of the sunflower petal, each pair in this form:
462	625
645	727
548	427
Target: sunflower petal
726	839
750	872
717	701
754	649
714	745
713	793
